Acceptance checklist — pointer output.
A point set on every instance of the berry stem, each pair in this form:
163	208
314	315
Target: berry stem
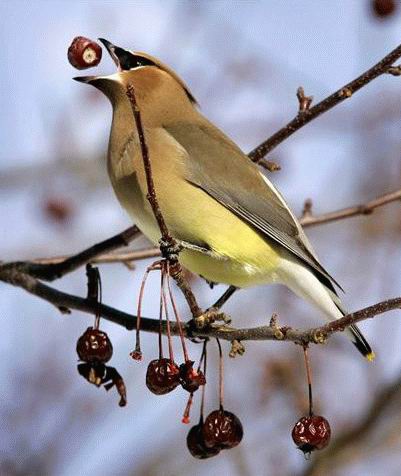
99	300
202	360
204	355
177	317
137	354
161	307
221	371
309	377
170	344
94	290
185	417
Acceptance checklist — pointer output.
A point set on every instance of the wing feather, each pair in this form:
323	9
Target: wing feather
247	193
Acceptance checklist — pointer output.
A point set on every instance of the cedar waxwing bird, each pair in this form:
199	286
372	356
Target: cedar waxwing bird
238	228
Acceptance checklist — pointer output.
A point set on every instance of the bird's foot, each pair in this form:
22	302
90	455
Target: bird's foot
169	249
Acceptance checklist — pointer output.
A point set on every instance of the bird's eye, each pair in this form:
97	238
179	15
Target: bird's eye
129	61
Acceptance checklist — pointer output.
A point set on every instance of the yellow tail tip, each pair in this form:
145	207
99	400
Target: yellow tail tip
371	356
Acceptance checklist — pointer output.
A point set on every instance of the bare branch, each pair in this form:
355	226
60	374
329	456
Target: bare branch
318	335
364	209
126	257
382	67
56	269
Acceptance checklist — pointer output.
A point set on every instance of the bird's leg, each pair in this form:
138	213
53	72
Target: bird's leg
224	297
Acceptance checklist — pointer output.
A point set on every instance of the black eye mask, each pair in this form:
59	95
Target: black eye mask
129	61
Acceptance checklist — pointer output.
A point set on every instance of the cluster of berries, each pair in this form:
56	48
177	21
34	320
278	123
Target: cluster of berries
221	429
163	376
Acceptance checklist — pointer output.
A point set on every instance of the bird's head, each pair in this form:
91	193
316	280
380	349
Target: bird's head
156	86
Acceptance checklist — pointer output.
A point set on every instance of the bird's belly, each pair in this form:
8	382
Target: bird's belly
238	255
225	270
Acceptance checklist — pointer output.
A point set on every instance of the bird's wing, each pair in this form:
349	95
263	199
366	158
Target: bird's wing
247	193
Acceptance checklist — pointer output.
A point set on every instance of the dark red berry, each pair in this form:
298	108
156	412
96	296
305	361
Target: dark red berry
162	376
191	379
84	53
94	346
311	433
383	8
222	430
196	443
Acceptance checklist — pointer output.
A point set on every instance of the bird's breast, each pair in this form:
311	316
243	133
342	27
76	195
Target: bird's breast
239	255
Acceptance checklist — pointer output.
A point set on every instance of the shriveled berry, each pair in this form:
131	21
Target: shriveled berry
311	433
191	379
222	430
99	374
162	376
84	53
196	443
383	8
94	373
94	345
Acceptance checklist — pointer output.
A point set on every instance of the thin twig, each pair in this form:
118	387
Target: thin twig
57	269
382	67
169	248
304	101
363	209
126	257
307	209
269	165
151	195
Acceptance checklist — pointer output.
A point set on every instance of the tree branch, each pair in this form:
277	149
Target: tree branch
317	335
56	269
305	116
364	209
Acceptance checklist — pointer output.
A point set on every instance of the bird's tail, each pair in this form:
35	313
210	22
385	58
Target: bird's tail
353	331
304	283
360	342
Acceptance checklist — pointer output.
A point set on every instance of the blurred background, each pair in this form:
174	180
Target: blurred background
243	61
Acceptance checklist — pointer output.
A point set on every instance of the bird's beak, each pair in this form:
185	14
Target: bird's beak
112	50
118	55
85	79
